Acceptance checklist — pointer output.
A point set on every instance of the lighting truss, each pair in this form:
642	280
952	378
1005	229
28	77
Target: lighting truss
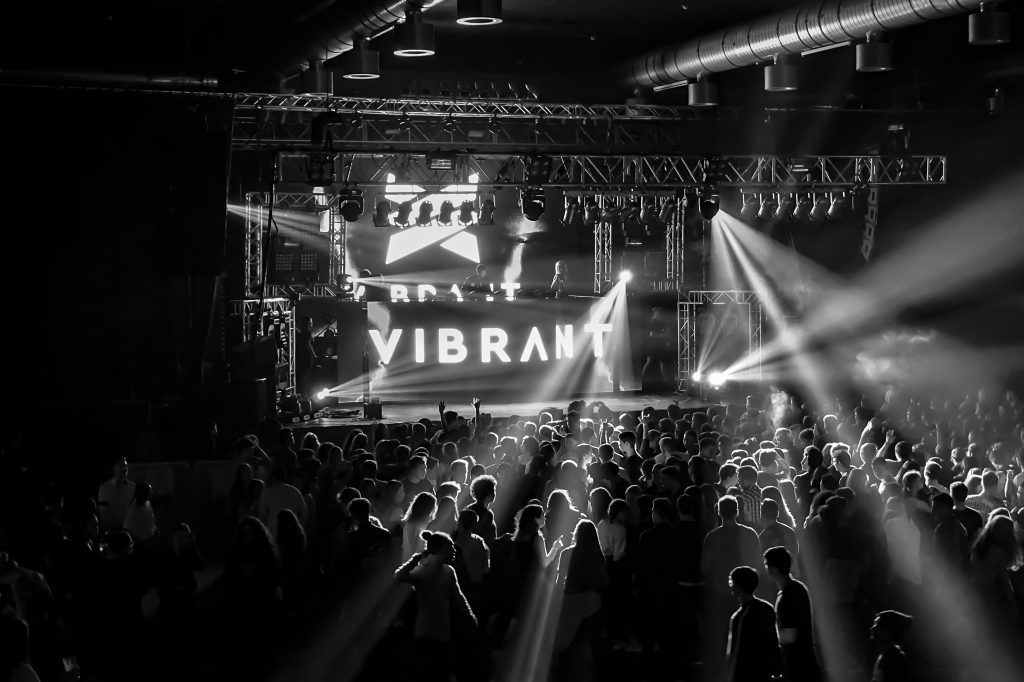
246	310
687	306
288	122
636	173
507	108
256	204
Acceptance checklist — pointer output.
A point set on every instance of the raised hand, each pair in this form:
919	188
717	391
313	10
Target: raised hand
890	436
476	404
440	407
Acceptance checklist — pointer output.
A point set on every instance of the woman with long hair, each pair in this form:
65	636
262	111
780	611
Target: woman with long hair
417	518
772	493
562	516
583	576
252	573
445	519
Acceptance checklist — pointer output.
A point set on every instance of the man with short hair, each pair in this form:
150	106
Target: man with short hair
752	652
990	497
773	533
365	539
793	617
728	477
970	519
949	536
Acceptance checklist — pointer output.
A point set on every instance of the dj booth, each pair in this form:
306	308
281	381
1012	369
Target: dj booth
504	349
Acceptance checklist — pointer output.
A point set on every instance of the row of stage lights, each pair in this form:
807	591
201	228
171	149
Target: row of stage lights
647	213
479	212
812	206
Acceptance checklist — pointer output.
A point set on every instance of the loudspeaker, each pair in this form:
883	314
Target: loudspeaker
189	162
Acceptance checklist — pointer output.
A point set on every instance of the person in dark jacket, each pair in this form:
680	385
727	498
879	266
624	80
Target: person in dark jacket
752	653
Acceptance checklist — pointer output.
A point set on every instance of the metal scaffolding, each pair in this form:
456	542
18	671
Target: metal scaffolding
298	122
631	173
256	216
278	321
687	308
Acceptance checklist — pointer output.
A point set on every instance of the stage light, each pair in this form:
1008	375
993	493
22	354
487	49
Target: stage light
668	210
533	203
487	212
820	210
350	204
769	204
320	170
839	207
648	212
437	162
347	283
609	213
625	276
708	202
631	211
751	207
874	56
444	215
716	379
572	213
697	376
322	393
382	214
404	213
538	170
988	26
359	63
787	205
803	208
591	213
783	75
415	37
702	93
466	213
479	12
426	214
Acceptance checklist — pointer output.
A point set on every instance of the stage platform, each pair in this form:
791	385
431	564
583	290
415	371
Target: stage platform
336	429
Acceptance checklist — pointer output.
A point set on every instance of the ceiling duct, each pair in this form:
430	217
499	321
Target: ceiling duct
793	31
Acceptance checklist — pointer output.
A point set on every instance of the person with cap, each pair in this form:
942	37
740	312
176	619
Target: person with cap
887	633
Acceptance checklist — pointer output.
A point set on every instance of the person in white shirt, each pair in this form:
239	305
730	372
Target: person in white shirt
140	520
279	496
116	495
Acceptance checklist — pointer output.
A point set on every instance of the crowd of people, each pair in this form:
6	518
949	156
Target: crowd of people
753	541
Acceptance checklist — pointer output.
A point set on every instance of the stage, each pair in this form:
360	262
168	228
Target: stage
336	428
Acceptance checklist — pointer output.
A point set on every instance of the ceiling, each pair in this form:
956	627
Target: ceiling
568	50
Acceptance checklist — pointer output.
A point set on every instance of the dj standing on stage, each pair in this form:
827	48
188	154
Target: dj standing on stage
559	285
477	283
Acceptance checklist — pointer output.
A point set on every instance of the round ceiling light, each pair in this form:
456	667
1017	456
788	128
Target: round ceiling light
479	12
415	37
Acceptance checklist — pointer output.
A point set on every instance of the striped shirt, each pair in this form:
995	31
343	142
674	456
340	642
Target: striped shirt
749	500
